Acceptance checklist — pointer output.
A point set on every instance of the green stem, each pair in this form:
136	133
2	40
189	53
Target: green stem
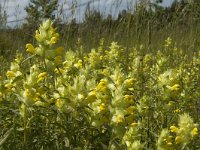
25	128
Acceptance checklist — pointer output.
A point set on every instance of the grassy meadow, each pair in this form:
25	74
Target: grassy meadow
125	83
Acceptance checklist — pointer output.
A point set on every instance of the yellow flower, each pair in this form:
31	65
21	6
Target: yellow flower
129	99
194	132
106	72
53	40
178	139
27	93
9	86
30	48
37	35
36	97
134	124
78	64
119	118
41	76
59	71
175	87
173	129
169	144
10	74
101	57
177	111
102	107
102	86
129	83
80	96
59	103
168	42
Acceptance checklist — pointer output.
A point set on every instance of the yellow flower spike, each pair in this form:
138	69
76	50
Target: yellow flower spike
10	74
194	132
30	48
173	129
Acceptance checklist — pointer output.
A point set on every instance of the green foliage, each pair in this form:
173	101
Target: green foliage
38	10
148	25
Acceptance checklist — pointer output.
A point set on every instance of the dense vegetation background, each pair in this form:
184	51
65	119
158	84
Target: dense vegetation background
147	23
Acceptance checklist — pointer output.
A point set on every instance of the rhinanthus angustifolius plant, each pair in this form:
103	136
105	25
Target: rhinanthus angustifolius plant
105	99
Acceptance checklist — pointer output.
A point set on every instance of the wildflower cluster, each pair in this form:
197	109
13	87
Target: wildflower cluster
178	137
109	98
